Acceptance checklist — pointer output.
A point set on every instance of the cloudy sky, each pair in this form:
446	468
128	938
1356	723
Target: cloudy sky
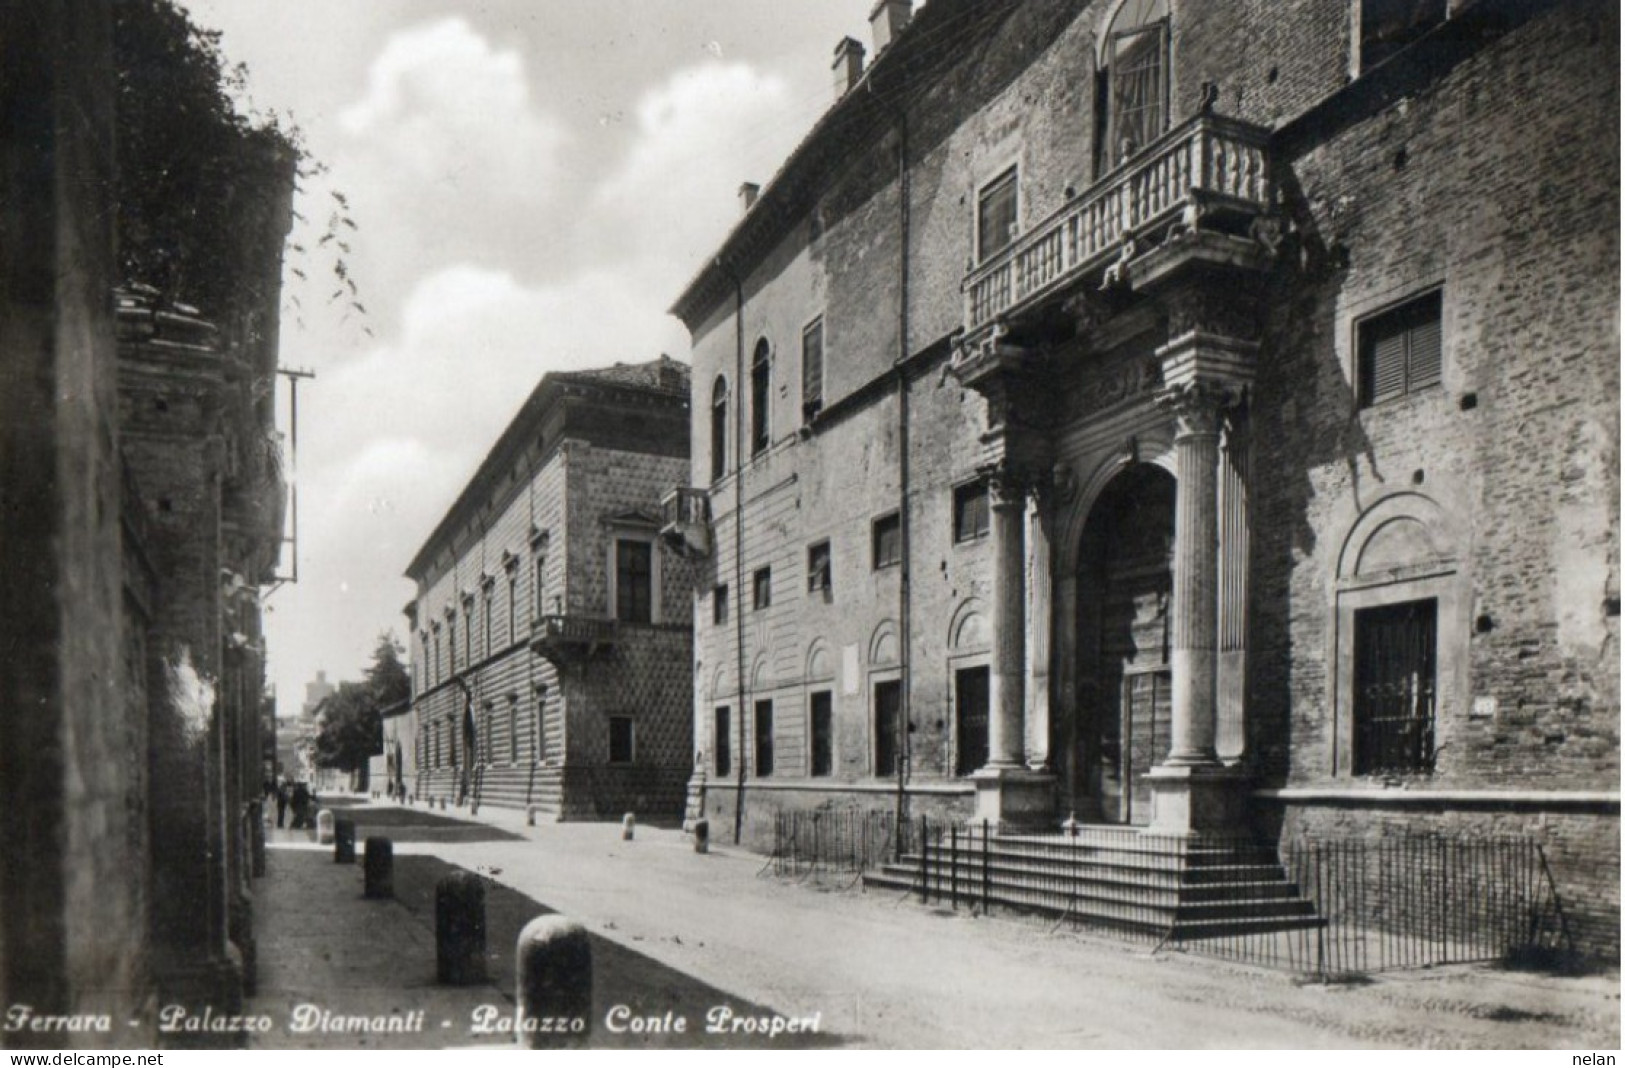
533	182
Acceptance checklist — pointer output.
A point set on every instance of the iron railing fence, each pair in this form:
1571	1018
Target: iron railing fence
1324	908
839	843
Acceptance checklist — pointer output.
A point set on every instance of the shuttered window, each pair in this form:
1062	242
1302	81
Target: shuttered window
1401	351
996	215
812	368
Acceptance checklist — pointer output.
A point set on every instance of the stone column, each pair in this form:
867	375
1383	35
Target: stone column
1040	628
1007	693
1231	741
1197	407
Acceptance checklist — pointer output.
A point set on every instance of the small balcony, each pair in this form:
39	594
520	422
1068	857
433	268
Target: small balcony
685	522
562	638
1209	171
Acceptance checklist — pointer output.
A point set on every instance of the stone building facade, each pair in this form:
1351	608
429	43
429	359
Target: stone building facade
1192	416
141	497
550	634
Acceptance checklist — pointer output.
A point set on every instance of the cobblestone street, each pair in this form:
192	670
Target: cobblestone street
680	932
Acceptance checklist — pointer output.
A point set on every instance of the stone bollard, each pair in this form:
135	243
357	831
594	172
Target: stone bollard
554	983
530	816
324	827
702	836
378	868
344	841
459	929
627	825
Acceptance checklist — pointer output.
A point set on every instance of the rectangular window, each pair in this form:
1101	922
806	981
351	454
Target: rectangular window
996	215
764	739
822	730
970	719
513	730
468	633
818	567
486	609
721	743
622	740
812	368
1386	26
762	588
719	430
888	541
761	385
888	707
538	587
1395	687
970	511
719	604
513	605
541	723
451	641
634	581
1401	350
1138	71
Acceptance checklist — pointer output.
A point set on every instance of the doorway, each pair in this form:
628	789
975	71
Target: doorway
1120	726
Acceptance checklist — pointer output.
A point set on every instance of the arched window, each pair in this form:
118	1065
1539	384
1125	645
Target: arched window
760	432
719	428
1132	92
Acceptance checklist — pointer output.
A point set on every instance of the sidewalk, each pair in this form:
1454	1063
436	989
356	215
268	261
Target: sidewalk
683	932
324	949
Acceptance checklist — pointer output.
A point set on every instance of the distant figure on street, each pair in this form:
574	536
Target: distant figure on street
281	803
301	806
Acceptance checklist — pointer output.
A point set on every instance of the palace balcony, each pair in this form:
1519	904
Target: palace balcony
1209	172
685	521
565	638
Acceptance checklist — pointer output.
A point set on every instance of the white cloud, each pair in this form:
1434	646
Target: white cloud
702	133
452	110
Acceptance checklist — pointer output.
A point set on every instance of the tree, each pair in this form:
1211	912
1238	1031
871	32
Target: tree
352	718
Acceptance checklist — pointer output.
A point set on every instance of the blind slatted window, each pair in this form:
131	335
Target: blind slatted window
812	368
1401	351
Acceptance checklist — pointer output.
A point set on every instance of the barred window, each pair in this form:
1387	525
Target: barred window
970	511
888	541
1395	687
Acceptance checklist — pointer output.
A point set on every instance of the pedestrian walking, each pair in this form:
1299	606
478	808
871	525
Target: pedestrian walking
281	803
301	806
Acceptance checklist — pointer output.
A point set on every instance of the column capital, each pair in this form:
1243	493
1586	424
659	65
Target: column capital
1011	484
1198	405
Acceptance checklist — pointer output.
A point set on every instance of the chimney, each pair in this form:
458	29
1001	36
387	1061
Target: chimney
848	65
747	195
887	20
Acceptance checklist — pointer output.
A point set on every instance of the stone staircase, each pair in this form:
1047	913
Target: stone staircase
1112	877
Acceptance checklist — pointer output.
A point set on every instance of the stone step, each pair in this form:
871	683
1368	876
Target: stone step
1256	882
1185	920
1134	867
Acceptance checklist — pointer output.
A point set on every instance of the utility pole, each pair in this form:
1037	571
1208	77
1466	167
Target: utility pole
293	375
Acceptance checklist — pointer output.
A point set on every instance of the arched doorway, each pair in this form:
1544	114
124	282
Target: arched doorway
1124	583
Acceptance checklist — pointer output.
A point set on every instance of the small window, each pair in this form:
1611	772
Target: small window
761	371
888	541
818	567
719	604
822	728
764	739
1401	350
719	428
1387	26
622	740
763	588
721	743
888	709
970	511
996	215
812	368
634	581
